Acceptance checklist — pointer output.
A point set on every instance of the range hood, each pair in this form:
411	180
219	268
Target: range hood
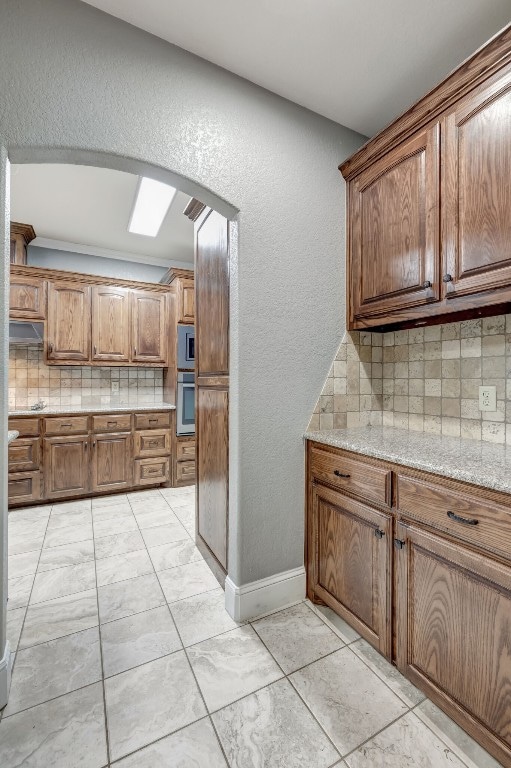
25	333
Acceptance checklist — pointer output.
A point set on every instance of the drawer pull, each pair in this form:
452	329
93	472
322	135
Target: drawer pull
153	421
379	534
66	425
399	543
111	423
340	474
153	442
464	520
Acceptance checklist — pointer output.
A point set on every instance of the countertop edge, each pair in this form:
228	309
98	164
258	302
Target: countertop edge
12	434
343	442
68	410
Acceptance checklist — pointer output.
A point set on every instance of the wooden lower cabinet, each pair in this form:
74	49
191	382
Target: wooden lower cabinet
350	567
151	471
184	464
427	581
454	633
111	462
66	466
24	487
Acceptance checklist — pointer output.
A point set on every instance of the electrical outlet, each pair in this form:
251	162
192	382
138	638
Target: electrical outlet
114	386
487	398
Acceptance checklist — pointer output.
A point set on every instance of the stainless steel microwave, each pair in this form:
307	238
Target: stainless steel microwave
186	347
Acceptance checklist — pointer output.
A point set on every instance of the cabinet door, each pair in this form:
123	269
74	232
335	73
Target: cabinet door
453	633
149	317
111	324
27	298
350	561
394	237
186	300
212	289
112	459
66	466
213	469
477	191
69	322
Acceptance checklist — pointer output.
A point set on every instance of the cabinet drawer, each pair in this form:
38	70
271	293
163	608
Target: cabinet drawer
66	425
456	513
186	450
26	427
23	487
185	472
24	455
119	422
152	420
152	442
152	471
368	482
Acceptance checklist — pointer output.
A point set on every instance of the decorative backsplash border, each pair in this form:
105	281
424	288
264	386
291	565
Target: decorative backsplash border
424	379
30	380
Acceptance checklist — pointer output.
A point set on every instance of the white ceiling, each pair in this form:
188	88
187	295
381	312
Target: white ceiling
358	62
90	206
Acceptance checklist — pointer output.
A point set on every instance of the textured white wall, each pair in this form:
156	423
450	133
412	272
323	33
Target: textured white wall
74	79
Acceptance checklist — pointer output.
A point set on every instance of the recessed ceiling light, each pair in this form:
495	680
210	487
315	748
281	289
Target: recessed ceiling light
151	205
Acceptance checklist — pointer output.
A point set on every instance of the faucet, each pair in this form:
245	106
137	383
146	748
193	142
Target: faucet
39	406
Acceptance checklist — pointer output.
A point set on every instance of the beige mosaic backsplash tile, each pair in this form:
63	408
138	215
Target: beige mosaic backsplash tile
424	379
30	380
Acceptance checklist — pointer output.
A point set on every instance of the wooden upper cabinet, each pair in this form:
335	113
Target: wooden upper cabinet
186	294
477	191
149	327
27	298
453	638
69	313
21	236
212	289
111	326
394	230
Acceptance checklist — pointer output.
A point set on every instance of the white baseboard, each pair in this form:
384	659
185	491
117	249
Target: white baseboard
5	675
264	596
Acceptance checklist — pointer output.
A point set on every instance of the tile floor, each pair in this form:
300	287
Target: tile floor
125	656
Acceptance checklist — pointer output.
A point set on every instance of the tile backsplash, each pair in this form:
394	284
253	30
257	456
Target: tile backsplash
424	379
30	380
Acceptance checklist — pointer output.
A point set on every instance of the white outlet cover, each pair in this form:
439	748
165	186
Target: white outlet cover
114	386
488	398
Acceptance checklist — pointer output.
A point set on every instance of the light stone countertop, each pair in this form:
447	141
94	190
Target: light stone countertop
472	461
12	434
96	408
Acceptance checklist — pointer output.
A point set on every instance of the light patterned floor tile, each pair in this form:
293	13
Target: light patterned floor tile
57	733
18	591
65	555
153	518
121	567
114	526
68	535
63	581
338	625
273	727
77	505
186	581
347	698
51	669
405	744
56	618
119	544
125	598
296	637
202	616
232	665
137	639
148	702
71	517
173	554
164	534
15	620
23	565
388	673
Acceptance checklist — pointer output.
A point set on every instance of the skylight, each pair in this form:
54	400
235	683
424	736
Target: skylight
151	205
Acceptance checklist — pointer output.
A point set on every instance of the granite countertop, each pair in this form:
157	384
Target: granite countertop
472	461
96	408
12	434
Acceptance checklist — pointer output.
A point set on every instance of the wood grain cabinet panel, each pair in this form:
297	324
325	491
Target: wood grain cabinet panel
149	327
152	442
111	326
477	190
185	450
186	300
111	462
69	326
24	454
152	420
27	427
24	487
66	466
212	469
66	425
152	471
351	561
394	220
111	422
185	472
368	482
27	298
453	630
